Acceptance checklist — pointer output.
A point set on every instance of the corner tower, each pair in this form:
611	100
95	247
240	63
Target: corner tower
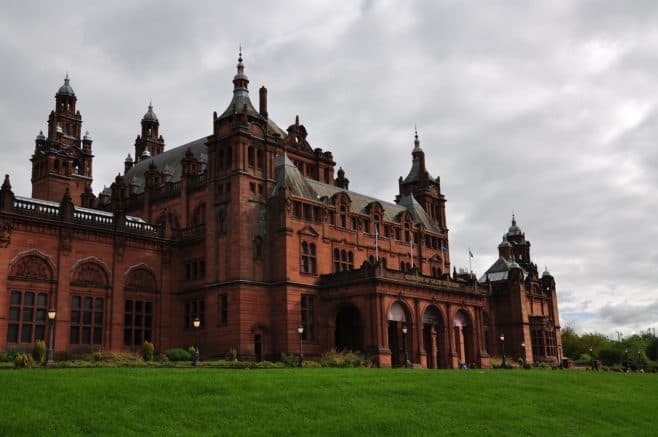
424	187
63	158
150	140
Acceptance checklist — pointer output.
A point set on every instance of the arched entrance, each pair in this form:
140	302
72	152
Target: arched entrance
398	341
463	332
433	338
348	329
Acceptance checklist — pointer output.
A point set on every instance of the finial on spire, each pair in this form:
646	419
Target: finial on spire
513	220
66	79
416	140
240	54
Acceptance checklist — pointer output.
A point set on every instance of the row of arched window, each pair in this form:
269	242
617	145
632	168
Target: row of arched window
343	260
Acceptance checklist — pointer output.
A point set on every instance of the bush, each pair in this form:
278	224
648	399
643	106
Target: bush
342	359
178	354
289	360
8	355
312	364
39	352
98	356
232	354
148	350
267	365
23	361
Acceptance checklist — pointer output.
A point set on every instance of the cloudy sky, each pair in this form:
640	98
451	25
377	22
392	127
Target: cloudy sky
548	111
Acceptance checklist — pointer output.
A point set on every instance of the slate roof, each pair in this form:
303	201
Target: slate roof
287	174
499	270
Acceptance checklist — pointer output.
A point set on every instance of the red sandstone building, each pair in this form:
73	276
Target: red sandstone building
251	230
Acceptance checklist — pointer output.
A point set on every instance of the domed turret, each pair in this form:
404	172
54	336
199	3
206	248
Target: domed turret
65	90
514	229
150	115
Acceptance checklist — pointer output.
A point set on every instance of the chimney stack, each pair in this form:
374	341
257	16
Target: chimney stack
263	101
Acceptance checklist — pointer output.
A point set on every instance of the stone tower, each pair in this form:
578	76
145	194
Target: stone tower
63	159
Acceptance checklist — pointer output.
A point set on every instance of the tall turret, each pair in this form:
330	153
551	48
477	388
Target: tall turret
62	159
149	140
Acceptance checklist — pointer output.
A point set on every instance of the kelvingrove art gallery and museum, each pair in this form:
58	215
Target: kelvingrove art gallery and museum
252	232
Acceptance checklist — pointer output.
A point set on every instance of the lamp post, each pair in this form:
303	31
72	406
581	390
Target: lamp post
524	354
404	345
591	353
50	360
300	331
502	342
196	324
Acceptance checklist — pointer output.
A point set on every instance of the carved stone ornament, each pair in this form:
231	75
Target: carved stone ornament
5	234
32	267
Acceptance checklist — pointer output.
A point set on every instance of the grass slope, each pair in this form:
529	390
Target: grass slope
326	402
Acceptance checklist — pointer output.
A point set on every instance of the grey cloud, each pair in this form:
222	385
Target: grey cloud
546	110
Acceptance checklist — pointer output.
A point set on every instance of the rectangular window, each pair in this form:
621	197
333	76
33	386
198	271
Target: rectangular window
27	317
193	309
86	320
308	316
137	322
222	309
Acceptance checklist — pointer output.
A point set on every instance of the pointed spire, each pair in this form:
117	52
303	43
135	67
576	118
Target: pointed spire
416	140
6	185
240	80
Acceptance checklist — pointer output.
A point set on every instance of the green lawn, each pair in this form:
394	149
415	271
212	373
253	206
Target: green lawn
377	402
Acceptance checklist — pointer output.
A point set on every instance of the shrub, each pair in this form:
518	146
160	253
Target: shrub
232	354
23	361
178	354
148	350
312	364
267	365
342	359
39	351
8	355
98	356
289	360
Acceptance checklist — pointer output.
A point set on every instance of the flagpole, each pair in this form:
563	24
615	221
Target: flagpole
376	244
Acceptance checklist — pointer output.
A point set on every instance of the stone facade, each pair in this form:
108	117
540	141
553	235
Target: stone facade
249	230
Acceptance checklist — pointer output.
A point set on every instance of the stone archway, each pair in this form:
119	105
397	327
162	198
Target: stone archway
433	342
463	337
348	329
398	341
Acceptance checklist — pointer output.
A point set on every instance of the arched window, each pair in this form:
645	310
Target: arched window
258	247
251	160
259	159
305	260
350	260
336	260
229	157
343	216
312	259
377	221
407	233
199	215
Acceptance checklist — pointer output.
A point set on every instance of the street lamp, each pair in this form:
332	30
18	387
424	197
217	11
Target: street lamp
502	342
196	324
524	354
50	360
404	345
591	353
300	331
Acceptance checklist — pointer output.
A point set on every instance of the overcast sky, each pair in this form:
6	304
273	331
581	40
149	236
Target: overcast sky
548	111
